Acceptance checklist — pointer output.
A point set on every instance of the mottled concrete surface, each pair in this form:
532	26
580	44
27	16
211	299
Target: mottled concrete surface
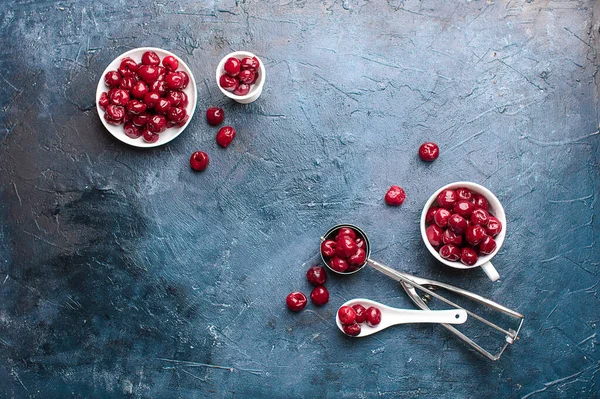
125	274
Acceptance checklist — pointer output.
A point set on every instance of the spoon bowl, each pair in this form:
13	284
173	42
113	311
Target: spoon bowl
393	316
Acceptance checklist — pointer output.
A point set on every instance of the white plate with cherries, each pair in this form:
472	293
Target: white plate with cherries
146	97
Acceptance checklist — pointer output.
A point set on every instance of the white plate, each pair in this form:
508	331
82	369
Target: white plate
170	133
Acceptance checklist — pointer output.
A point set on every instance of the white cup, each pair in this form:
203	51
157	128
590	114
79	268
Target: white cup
495	209
257	87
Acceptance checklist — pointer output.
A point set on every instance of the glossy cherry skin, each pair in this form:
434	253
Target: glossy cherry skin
128	67
494	226
199	161
246	76
215	116
149	137
111	121
373	316
296	301
183	121
162	73
228	83
175	98
319	295
184	99
174	81
450	237
429	151
115	112
132	130
475	234
395	196
345	231
446	199
112	79
351	329
170	63
316	275
127	83
118	97
347	315
480	202
151	99
468	256
441	217
250	63
480	217
135	107
430	214
232	66
159	86
463	208
359	257
157	123
361	313
345	247
338	264
141	119
242	89
150	58
360	243
457	223
162	106
148	73
463	193
176	114
487	246
225	136
139	90
450	252
186	78
328	248
434	235
103	101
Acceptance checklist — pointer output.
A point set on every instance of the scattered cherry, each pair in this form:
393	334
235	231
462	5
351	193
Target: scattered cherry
319	295
316	275
225	136
215	116
347	315
296	301
395	196
429	151
199	161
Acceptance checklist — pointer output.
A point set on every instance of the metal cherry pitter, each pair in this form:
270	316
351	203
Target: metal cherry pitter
428	287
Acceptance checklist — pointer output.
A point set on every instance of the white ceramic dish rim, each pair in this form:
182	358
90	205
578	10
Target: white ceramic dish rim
258	86
167	136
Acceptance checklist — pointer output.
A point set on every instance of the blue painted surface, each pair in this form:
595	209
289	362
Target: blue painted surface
124	273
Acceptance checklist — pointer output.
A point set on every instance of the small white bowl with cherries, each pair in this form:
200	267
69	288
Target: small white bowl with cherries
241	76
463	225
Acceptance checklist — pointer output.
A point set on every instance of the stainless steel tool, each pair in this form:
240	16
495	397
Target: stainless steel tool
412	283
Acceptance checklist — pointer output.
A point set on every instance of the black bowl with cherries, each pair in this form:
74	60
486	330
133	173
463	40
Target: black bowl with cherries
345	249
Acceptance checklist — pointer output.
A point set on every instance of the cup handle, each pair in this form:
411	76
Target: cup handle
490	270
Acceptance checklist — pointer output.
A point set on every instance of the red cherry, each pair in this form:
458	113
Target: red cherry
135	107
358	258
480	217
338	264
184	99
128	67
111	121
139	90
328	248
149	137
463	193
395	196
228	83
242	89
475	234
175	98
494	226
296	301
316	275
434	235
450	237
104	101
148	73
151	99
185	77
112	79
215	116
132	130
430	214
347	315
319	295
373	316
170	63
463	208
361	313
174	80
429	151
150	58
446	199
457	223
450	252
351	329
225	136
162	106
250	63
115	112
128	117
141	119
468	256
346	231
232	66
441	217
159	86
487	246
246	76
157	124
360	243
127	83
480	202
176	114
183	122
199	161
345	247
162	73
118	97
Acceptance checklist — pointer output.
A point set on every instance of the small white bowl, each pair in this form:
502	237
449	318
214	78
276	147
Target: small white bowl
257	87
170	133
495	209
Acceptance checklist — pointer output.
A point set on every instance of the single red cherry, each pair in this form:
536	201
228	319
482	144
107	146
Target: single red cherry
160	87
132	131
351	329
319	295
242	89
430	214
162	106
185	77
250	63
215	116
450	252
480	217
232	66
345	247
170	63
441	217
175	98
151	99
487	246
475	234
246	76
141	119
316	275
228	83
468	256
162	73
118	97
150	58
115	112
373	316
328	248
395	196
111	121
338	264
127	83
176	114
463	193
183	122
446	199
199	161
128	67
346	231
225	136
358	258
429	151
434	235
157	123
149	137
174	80
457	223
296	301
347	315
361	313
112	79
148	73
463	208
139	90
480	202
450	237
494	226
104	101
135	107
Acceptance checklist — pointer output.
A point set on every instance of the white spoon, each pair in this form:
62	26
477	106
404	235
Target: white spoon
392	316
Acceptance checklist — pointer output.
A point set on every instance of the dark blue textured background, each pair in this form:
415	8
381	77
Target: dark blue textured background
124	273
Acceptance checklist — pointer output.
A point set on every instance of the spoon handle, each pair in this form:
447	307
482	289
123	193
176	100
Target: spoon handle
451	316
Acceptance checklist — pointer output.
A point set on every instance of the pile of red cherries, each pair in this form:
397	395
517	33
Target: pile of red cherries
240	75
460	226
316	275
146	98
353	316
346	253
